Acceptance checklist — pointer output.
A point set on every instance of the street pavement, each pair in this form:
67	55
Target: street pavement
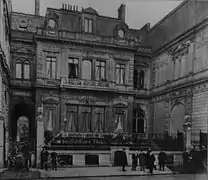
153	177
96	172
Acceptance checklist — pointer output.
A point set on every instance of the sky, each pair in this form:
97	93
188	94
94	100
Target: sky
138	12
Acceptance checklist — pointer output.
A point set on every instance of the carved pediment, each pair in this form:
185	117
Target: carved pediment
25	50
50	100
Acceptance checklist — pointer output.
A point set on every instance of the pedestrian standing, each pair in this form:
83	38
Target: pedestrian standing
151	160
162	160
45	159
54	160
134	162
142	161
124	160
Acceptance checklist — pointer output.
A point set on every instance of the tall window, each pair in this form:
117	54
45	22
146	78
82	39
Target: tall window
72	119
141	79
100	70
73	67
22	70
120	73
88	25
98	125
51	67
87	69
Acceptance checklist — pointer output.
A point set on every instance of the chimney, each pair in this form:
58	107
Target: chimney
122	12
37	7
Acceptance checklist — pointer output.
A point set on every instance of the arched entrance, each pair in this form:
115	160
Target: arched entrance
22	124
138	120
177	119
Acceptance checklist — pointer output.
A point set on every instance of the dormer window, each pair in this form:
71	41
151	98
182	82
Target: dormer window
88	25
51	24
121	33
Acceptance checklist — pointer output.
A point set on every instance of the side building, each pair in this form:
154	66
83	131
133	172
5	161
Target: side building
79	67
179	70
5	10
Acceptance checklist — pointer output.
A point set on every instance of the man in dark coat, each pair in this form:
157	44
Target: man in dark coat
54	160
124	160
162	160
142	161
150	162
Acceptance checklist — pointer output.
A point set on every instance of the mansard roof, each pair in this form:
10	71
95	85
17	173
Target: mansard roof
70	20
184	17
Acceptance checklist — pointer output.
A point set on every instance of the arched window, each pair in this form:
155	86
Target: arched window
22	70
141	79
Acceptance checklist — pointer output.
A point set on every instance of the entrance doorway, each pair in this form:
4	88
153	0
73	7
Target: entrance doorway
22	124
138	120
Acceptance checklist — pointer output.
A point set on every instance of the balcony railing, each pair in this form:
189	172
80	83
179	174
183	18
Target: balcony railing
80	37
21	82
137	140
97	85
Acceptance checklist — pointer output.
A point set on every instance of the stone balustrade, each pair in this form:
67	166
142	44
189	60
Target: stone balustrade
67	35
95	85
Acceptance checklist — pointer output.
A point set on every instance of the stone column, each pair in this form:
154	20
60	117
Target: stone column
40	135
1	141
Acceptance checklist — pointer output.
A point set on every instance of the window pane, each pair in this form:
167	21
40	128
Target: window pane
86	25
90	25
122	76
102	73
86	69
48	69
26	71
117	76
18	70
70	60
53	70
97	75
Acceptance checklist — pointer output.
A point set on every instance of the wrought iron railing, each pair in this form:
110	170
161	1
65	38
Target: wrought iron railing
134	140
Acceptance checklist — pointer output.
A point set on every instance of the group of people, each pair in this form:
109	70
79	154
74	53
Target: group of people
147	160
44	159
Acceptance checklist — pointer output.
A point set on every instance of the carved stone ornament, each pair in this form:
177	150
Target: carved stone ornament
50	100
25	23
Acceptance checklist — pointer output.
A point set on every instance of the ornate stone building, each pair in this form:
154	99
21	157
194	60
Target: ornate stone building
179	70
94	74
5	9
78	66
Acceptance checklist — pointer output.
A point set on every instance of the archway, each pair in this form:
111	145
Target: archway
177	119
22	124
138	120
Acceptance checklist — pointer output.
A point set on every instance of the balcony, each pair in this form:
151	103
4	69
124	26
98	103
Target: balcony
95	85
154	141
21	82
44	82
81	38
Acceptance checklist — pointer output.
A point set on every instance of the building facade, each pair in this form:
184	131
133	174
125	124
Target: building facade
179	70
5	10
79	67
94	75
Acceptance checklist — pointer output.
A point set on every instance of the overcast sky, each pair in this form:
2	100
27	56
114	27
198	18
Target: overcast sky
139	12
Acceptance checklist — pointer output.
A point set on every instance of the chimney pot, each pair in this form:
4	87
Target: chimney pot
122	12
37	7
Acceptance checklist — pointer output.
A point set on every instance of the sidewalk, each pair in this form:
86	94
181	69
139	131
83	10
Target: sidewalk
96	172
